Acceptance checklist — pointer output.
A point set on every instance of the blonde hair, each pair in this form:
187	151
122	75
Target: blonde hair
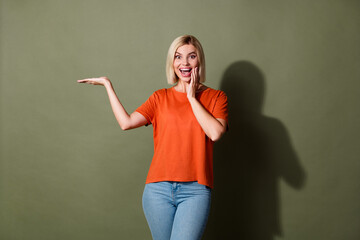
178	42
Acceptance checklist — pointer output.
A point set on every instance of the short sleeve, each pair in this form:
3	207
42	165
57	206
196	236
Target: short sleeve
221	106
148	108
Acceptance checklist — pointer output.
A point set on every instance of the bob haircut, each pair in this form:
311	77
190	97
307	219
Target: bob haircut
172	78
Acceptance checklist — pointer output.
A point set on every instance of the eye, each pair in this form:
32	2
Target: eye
177	56
193	56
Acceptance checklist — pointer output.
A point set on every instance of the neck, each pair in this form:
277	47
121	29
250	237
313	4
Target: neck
182	86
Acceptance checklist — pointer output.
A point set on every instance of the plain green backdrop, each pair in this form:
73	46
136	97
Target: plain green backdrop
287	169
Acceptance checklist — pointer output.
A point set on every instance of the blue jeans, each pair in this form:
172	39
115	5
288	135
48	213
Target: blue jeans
176	210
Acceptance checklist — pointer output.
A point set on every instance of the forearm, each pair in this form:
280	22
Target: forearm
122	117
212	127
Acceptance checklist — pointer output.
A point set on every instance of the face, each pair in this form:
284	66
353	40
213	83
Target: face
185	61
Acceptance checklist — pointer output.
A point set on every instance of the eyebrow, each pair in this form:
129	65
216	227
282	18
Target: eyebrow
188	54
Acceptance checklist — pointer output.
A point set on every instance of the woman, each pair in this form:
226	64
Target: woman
187	119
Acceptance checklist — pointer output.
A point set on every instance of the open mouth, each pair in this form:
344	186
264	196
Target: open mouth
185	70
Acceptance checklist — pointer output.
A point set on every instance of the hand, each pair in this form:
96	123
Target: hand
194	83
95	81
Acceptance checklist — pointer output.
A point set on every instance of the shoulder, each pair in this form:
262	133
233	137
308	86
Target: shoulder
214	93
159	93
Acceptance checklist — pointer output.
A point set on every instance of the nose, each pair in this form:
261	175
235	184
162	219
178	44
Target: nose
185	61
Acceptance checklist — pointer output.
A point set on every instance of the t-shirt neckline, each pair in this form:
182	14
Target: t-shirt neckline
184	93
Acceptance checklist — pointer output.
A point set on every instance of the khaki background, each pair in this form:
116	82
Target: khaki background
287	169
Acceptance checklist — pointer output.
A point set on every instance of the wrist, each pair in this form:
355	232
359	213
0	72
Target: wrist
191	99
107	83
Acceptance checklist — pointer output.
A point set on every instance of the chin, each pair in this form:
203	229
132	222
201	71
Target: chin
185	79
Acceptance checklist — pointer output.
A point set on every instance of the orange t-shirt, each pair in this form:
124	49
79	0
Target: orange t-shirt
182	151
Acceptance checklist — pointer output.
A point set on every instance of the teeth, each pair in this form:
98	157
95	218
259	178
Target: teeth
185	70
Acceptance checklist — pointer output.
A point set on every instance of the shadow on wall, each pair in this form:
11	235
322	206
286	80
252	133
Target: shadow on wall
249	161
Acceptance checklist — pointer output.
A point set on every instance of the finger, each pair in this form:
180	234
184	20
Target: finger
82	81
191	82
197	75
85	80
193	77
90	79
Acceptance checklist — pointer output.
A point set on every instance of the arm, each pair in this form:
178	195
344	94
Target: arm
125	120
214	128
